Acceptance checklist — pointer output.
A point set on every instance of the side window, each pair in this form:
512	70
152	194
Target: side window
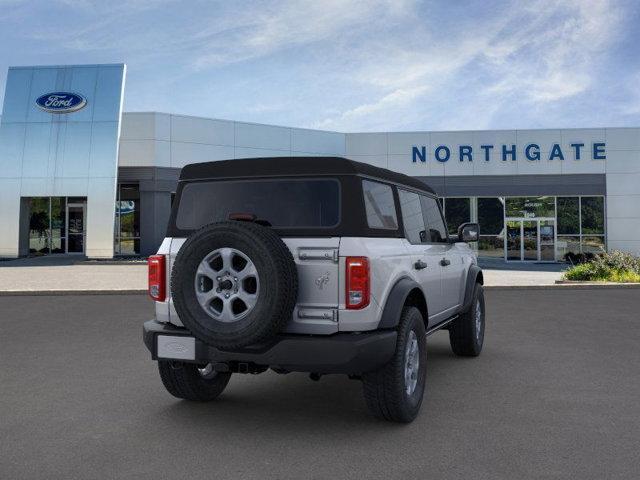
436	231
379	205
412	217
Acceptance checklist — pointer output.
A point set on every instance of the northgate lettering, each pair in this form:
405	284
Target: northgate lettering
531	152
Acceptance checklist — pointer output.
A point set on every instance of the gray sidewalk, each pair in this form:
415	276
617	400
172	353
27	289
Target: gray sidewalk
64	274
498	273
67	274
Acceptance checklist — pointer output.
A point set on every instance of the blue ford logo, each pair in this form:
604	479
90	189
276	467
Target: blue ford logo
61	102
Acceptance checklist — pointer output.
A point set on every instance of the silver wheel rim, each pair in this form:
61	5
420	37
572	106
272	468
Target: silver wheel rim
207	372
227	285
411	363
478	319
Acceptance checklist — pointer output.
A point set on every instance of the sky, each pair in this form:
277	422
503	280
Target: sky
351	66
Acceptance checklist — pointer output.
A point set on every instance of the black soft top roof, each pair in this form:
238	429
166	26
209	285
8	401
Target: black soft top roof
294	166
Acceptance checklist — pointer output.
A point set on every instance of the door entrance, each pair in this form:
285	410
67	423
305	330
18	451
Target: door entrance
76	220
530	240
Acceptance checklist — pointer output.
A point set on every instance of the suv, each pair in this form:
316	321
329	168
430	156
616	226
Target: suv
320	265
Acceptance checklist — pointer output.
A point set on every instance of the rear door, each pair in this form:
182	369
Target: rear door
426	257
441	252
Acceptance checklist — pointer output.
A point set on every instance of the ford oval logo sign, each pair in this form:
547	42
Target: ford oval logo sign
61	102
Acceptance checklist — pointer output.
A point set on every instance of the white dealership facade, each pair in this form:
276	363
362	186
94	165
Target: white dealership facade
96	181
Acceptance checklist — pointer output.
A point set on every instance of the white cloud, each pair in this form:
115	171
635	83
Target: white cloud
534	55
353	64
286	24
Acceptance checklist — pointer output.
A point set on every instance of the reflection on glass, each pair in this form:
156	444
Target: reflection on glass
58	244
547	242
58	217
530	207
39	244
513	240
530	240
568	216
457	211
129	216
76	243
568	244
39	225
75	238
491	246
127	220
592	215
491	215
593	244
129	211
129	246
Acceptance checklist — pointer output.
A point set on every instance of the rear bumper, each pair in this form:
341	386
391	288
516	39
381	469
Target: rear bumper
349	353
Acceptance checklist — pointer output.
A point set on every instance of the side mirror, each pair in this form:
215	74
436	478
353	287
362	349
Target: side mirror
469	232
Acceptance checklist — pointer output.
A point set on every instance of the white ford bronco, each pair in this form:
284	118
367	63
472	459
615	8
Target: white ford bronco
320	265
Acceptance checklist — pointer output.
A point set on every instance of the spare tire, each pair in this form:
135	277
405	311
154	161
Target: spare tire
234	284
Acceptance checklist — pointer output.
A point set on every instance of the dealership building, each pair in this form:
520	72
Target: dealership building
80	176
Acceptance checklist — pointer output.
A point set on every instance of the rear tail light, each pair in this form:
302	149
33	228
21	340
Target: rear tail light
157	279
357	282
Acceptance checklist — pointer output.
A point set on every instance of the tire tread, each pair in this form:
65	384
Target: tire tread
185	381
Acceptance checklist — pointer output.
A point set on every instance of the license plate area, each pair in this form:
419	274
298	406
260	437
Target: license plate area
176	347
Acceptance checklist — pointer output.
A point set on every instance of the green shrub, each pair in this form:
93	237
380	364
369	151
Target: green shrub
615	266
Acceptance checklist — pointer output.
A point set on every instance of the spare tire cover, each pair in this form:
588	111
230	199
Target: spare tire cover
234	284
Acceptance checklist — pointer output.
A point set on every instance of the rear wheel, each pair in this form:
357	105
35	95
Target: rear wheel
395	392
199	383
466	334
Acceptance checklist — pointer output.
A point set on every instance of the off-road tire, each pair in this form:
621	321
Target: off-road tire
466	336
385	390
277	290
183	380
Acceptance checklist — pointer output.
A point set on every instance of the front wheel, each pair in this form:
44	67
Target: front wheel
395	391
466	333
199	383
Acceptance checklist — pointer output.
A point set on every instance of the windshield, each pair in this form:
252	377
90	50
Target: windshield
298	203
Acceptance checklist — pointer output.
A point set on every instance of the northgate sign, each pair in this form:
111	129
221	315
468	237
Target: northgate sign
531	152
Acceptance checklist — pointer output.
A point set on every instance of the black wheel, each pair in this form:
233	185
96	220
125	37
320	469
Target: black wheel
395	392
234	284
192	382
466	334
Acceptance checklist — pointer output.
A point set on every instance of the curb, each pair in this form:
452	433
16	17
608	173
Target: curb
22	293
565	286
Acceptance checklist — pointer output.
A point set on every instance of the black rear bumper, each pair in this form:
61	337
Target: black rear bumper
349	353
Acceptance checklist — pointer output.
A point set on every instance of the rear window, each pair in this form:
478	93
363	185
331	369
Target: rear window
284	203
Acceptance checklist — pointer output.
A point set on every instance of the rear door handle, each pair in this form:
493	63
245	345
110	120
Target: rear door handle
444	262
419	265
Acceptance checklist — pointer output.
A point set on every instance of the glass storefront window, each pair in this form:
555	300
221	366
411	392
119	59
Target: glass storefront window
39	225
568	216
457	211
567	244
592	212
48	229
127	221
593	244
491	215
530	207
491	246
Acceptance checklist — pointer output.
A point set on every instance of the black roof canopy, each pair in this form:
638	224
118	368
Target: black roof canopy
295	166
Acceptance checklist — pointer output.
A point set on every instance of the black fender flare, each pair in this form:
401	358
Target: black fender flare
474	275
396	300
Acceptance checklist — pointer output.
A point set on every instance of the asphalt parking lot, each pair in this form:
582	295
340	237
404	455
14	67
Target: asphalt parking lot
555	394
